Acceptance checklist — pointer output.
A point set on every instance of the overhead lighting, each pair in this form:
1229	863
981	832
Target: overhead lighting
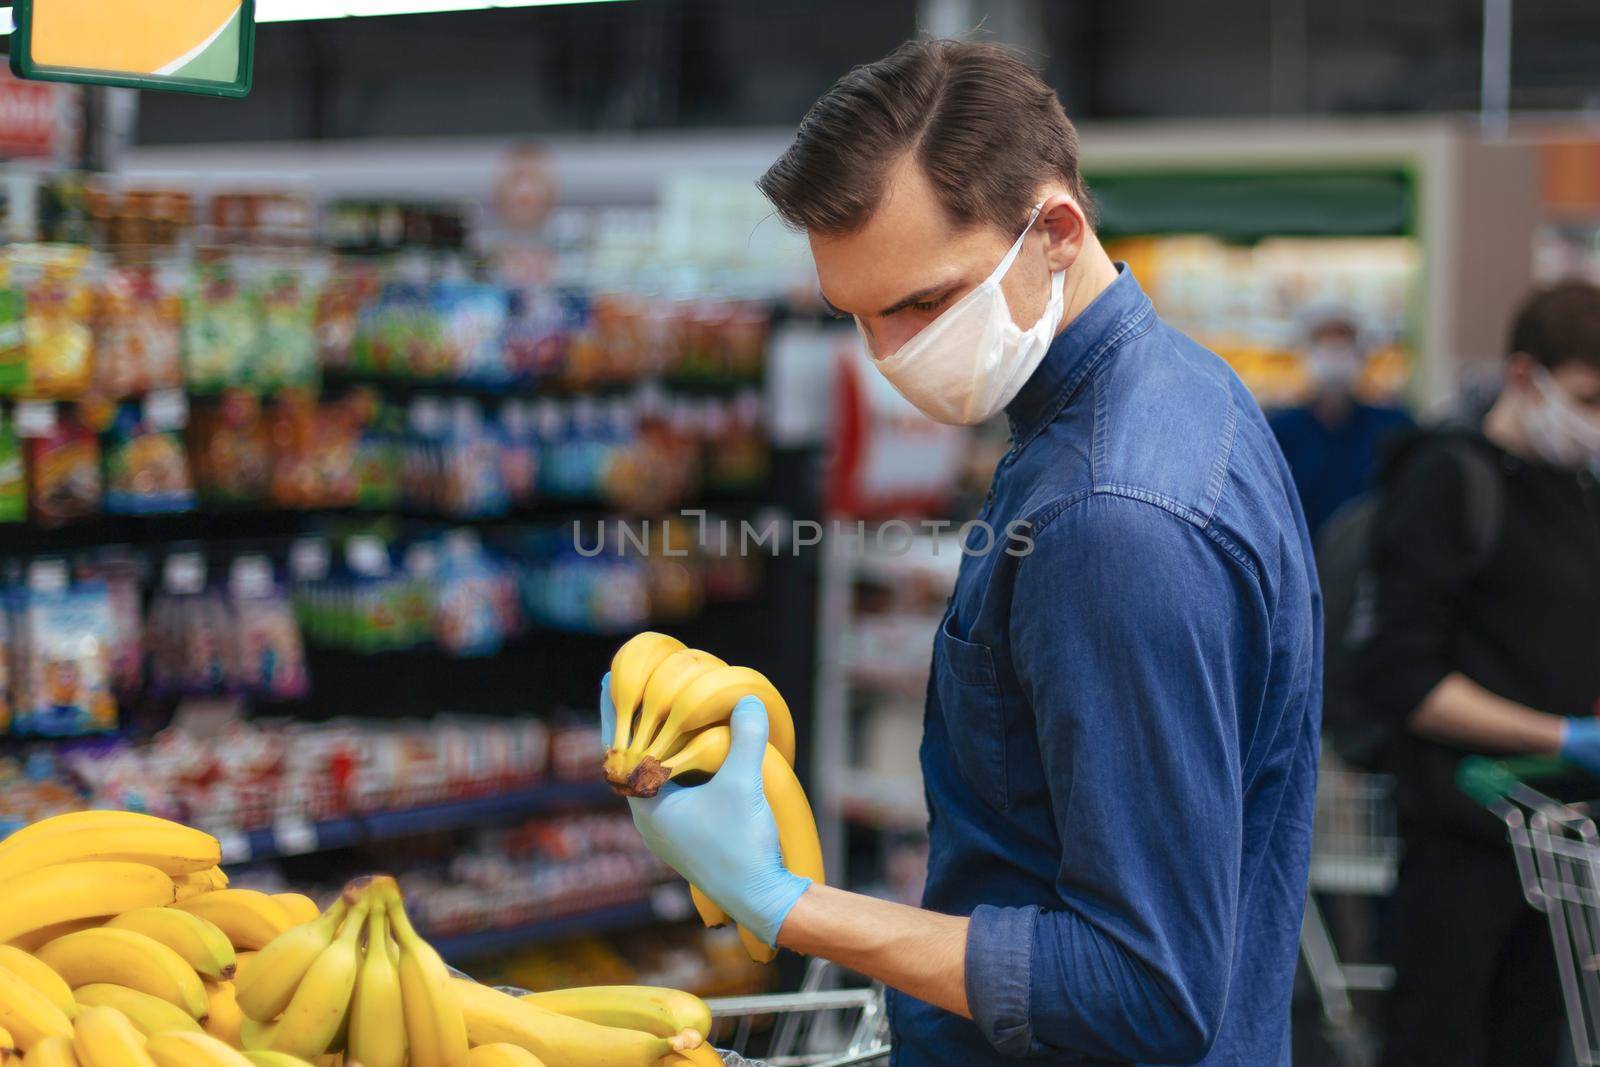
410	7
306	10
309	10
297	10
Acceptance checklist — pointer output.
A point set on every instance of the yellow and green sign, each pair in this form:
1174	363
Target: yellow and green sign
196	46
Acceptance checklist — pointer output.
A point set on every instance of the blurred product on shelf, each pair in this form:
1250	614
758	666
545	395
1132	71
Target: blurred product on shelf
542	870
146	467
138	330
64	476
62	644
251	776
1247	302
462	457
708	963
228	620
248	315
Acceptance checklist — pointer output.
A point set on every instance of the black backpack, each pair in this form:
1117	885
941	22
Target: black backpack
1362	737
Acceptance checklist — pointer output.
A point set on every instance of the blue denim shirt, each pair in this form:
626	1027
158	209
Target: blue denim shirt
1122	723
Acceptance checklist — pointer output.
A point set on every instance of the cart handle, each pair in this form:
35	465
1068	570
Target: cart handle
1486	779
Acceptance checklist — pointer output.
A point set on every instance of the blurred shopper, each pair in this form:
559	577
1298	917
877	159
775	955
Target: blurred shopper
1486	553
1333	441
1122	721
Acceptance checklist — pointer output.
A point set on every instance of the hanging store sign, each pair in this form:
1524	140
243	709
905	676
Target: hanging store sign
191	46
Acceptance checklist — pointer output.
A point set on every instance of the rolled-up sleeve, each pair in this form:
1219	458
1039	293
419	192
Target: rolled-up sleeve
1132	630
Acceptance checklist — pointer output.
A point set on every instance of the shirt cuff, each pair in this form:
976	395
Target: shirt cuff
1000	975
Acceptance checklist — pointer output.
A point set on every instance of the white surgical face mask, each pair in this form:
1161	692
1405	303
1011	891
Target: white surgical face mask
1557	431
967	364
1334	367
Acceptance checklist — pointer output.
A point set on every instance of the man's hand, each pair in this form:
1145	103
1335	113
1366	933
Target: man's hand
1580	744
721	836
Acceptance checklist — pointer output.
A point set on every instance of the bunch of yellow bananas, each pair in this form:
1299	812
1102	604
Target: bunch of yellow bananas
359	980
103	965
673	704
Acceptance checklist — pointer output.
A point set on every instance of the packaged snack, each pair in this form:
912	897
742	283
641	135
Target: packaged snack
271	656
474	487
473	321
399	334
59	306
519	455
422	469
292	430
147	469
219	334
190	632
339	303
64	479
335	440
378	460
233	460
122	576
286	344
477	600
537	326
68	663
13	478
138	341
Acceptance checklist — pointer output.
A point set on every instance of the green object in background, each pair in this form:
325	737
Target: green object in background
13	481
13	341
187	46
1250	207
1487	780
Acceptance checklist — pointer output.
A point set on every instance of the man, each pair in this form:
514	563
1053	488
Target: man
1485	551
1122	717
1334	440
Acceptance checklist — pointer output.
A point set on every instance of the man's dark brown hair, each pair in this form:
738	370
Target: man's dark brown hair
984	126
1560	324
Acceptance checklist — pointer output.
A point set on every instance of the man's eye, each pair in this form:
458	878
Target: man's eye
927	305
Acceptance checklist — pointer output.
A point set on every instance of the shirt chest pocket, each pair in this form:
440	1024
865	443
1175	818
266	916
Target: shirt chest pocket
974	713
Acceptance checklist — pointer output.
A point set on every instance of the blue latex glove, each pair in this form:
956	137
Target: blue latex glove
721	836
1580	744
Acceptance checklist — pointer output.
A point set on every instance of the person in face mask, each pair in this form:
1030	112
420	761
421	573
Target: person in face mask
1486	554
1122	722
1334	441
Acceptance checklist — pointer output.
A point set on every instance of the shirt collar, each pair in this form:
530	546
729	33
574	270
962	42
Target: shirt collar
1075	351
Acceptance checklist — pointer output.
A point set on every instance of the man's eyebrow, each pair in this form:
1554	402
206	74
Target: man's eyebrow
918	297
921	296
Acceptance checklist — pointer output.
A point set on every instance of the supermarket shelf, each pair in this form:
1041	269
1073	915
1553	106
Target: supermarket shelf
298	838
496	392
666	903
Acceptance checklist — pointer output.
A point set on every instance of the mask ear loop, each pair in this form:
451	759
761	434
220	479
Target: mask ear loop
1016	248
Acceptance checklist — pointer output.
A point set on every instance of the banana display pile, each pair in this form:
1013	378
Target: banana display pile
673	704
121	945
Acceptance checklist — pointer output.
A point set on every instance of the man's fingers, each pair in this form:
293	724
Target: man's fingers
608	714
749	745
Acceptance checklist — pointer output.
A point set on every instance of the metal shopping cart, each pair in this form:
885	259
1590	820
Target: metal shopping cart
820	1025
1557	850
1355	854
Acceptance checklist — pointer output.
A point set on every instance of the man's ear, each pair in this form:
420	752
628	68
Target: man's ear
1519	371
1066	229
